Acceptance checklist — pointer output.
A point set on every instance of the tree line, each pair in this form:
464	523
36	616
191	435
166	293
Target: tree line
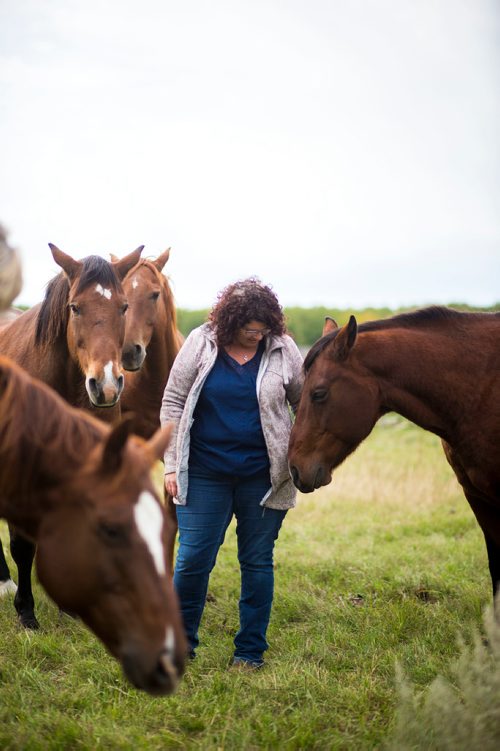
305	324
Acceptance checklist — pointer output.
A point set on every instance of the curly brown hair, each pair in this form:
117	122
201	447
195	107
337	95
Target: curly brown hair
244	301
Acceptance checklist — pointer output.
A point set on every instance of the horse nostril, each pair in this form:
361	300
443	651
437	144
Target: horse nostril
121	382
295	474
92	385
318	479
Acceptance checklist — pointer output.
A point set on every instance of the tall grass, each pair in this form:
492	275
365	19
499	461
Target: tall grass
458	714
385	567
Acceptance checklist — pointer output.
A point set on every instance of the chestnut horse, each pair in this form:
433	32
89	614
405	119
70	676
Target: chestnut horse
72	342
152	342
438	368
83	493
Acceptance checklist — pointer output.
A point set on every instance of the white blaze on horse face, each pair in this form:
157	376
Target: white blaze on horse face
149	521
108	373
135	283
104	292
170	641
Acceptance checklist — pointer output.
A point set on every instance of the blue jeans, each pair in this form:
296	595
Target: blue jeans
211	502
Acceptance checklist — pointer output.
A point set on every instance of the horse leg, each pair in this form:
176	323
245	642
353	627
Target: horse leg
494	561
487	515
488	518
23	552
6	583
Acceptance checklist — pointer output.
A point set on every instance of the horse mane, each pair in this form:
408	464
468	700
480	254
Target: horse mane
52	319
38	430
434	315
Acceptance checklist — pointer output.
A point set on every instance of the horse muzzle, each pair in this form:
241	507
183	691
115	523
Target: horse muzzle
315	477
104	392
133	356
158	678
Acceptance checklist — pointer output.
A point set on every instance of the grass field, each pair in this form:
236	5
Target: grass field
386	566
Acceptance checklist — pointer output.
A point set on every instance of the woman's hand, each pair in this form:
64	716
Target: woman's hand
171	484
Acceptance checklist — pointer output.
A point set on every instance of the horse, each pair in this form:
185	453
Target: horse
151	344
72	341
437	367
10	286
83	493
152	341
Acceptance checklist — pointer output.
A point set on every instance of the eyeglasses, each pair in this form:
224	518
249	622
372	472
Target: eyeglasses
257	332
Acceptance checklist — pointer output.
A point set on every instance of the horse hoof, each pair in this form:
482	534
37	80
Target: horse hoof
29	622
7	587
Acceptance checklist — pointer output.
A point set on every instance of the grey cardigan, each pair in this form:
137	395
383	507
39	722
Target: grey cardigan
279	383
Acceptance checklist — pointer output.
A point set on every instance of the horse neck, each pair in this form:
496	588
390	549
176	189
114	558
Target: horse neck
163	347
42	444
50	362
420	375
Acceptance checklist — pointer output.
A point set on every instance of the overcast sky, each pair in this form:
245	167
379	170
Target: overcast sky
345	151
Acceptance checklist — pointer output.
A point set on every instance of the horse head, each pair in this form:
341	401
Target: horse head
150	305
101	554
338	408
96	320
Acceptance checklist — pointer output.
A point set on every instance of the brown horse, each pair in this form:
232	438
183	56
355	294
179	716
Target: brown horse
83	493
152	342
438	368
72	342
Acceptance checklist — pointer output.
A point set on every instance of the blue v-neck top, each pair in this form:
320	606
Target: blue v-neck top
226	435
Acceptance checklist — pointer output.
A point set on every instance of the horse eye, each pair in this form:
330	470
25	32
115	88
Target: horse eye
113	534
74	309
154	296
124	307
319	395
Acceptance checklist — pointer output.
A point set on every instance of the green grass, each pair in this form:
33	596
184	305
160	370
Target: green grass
384	567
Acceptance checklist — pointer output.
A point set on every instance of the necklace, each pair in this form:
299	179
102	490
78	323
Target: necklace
240	355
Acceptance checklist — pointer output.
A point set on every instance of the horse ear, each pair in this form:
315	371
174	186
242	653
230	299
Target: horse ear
112	456
160	262
69	265
329	325
114	258
123	266
158	444
344	341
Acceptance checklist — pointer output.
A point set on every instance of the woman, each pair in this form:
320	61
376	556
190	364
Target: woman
228	395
